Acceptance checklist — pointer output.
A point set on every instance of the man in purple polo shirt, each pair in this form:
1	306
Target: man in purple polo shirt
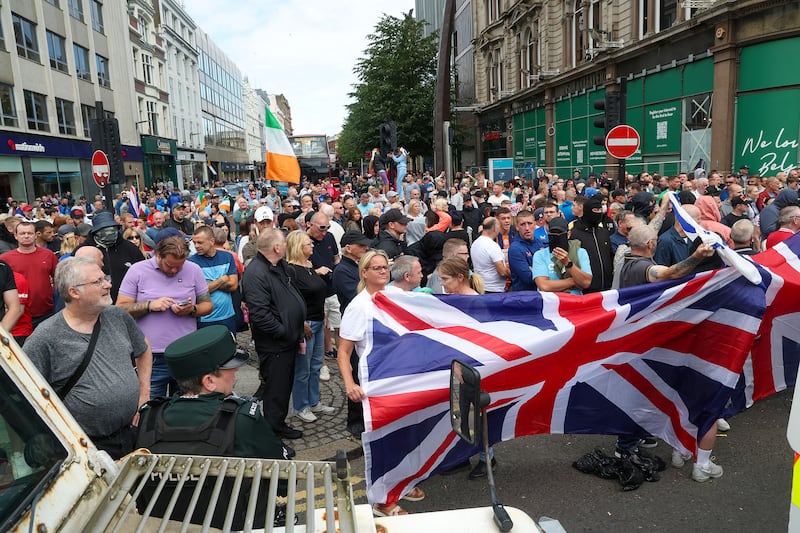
165	295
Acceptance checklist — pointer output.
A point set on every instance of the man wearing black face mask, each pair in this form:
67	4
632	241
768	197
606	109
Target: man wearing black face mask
592	232
118	253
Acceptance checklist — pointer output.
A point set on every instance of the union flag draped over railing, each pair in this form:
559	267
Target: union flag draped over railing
660	359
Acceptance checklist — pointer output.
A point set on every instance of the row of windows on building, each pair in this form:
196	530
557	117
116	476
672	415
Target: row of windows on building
28	47
584	33
37	115
75	8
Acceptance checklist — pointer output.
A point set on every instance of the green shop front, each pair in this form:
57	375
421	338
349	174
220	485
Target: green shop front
768	108
670	108
159	160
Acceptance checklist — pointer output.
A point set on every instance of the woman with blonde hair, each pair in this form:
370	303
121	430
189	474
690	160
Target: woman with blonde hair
457	278
68	245
132	235
307	363
373	269
440	207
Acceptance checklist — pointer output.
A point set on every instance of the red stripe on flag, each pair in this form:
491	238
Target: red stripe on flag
492	343
391	407
397	492
655	396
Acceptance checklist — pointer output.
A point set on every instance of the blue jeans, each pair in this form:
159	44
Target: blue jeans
305	390
401	174
161	381
229	323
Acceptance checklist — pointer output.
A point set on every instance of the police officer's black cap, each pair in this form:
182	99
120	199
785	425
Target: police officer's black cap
202	352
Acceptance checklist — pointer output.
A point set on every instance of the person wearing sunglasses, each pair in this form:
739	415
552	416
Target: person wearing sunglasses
132	236
324	260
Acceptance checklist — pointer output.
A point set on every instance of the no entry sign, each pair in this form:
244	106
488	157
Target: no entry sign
100	168
622	141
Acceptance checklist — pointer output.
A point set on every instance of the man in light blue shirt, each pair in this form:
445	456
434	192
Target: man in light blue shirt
561	268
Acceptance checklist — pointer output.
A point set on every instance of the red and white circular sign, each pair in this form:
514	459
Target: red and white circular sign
622	141
100	168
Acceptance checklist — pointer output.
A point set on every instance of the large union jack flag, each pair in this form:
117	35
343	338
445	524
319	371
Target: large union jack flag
661	359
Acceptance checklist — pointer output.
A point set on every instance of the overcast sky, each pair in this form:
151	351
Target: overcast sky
305	50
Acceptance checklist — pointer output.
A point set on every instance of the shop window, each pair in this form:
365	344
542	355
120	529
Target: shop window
82	70
76	9
36	109
57	48
97	15
8	110
102	72
25	36
66	116
698	111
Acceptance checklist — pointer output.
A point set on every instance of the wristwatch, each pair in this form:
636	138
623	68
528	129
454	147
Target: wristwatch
194	310
569	265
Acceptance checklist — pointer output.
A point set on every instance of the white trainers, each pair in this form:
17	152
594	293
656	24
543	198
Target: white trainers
306	415
322	408
722	425
679	459
704	473
324	373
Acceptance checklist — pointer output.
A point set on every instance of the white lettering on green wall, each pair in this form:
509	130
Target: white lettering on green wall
778	153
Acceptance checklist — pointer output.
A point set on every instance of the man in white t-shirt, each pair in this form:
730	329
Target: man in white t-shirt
488	259
497	196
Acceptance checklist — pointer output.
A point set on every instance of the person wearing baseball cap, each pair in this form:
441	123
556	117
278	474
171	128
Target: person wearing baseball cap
264	217
393	225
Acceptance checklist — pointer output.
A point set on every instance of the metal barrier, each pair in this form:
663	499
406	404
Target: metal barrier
190	493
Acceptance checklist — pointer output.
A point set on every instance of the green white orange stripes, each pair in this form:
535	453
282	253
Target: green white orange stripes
281	162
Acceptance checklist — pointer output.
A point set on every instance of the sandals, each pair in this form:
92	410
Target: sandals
388	510
414	495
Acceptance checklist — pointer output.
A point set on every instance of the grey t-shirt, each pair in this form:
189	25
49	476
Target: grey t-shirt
106	397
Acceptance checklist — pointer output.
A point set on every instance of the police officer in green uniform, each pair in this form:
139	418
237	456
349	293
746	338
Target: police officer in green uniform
207	419
204	363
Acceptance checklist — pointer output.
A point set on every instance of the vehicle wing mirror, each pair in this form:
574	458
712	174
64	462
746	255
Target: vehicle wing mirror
465	401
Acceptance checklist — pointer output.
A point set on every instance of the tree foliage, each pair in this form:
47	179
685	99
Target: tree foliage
396	76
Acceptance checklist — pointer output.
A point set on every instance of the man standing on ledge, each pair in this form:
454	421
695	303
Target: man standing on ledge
277	318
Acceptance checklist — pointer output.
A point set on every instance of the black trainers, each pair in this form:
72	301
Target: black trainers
479	470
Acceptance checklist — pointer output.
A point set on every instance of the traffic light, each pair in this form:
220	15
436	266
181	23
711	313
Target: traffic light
612	107
388	141
105	137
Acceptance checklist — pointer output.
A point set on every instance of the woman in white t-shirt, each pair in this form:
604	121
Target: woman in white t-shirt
373	269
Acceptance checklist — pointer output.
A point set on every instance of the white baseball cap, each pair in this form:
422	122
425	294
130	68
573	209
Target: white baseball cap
264	213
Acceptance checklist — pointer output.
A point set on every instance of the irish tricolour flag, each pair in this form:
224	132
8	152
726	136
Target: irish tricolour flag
281	163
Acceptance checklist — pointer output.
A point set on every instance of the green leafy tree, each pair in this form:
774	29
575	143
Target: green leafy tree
396	76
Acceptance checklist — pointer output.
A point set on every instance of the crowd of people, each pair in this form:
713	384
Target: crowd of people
296	270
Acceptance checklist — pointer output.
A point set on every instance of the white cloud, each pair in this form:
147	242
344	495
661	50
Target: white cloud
305	50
